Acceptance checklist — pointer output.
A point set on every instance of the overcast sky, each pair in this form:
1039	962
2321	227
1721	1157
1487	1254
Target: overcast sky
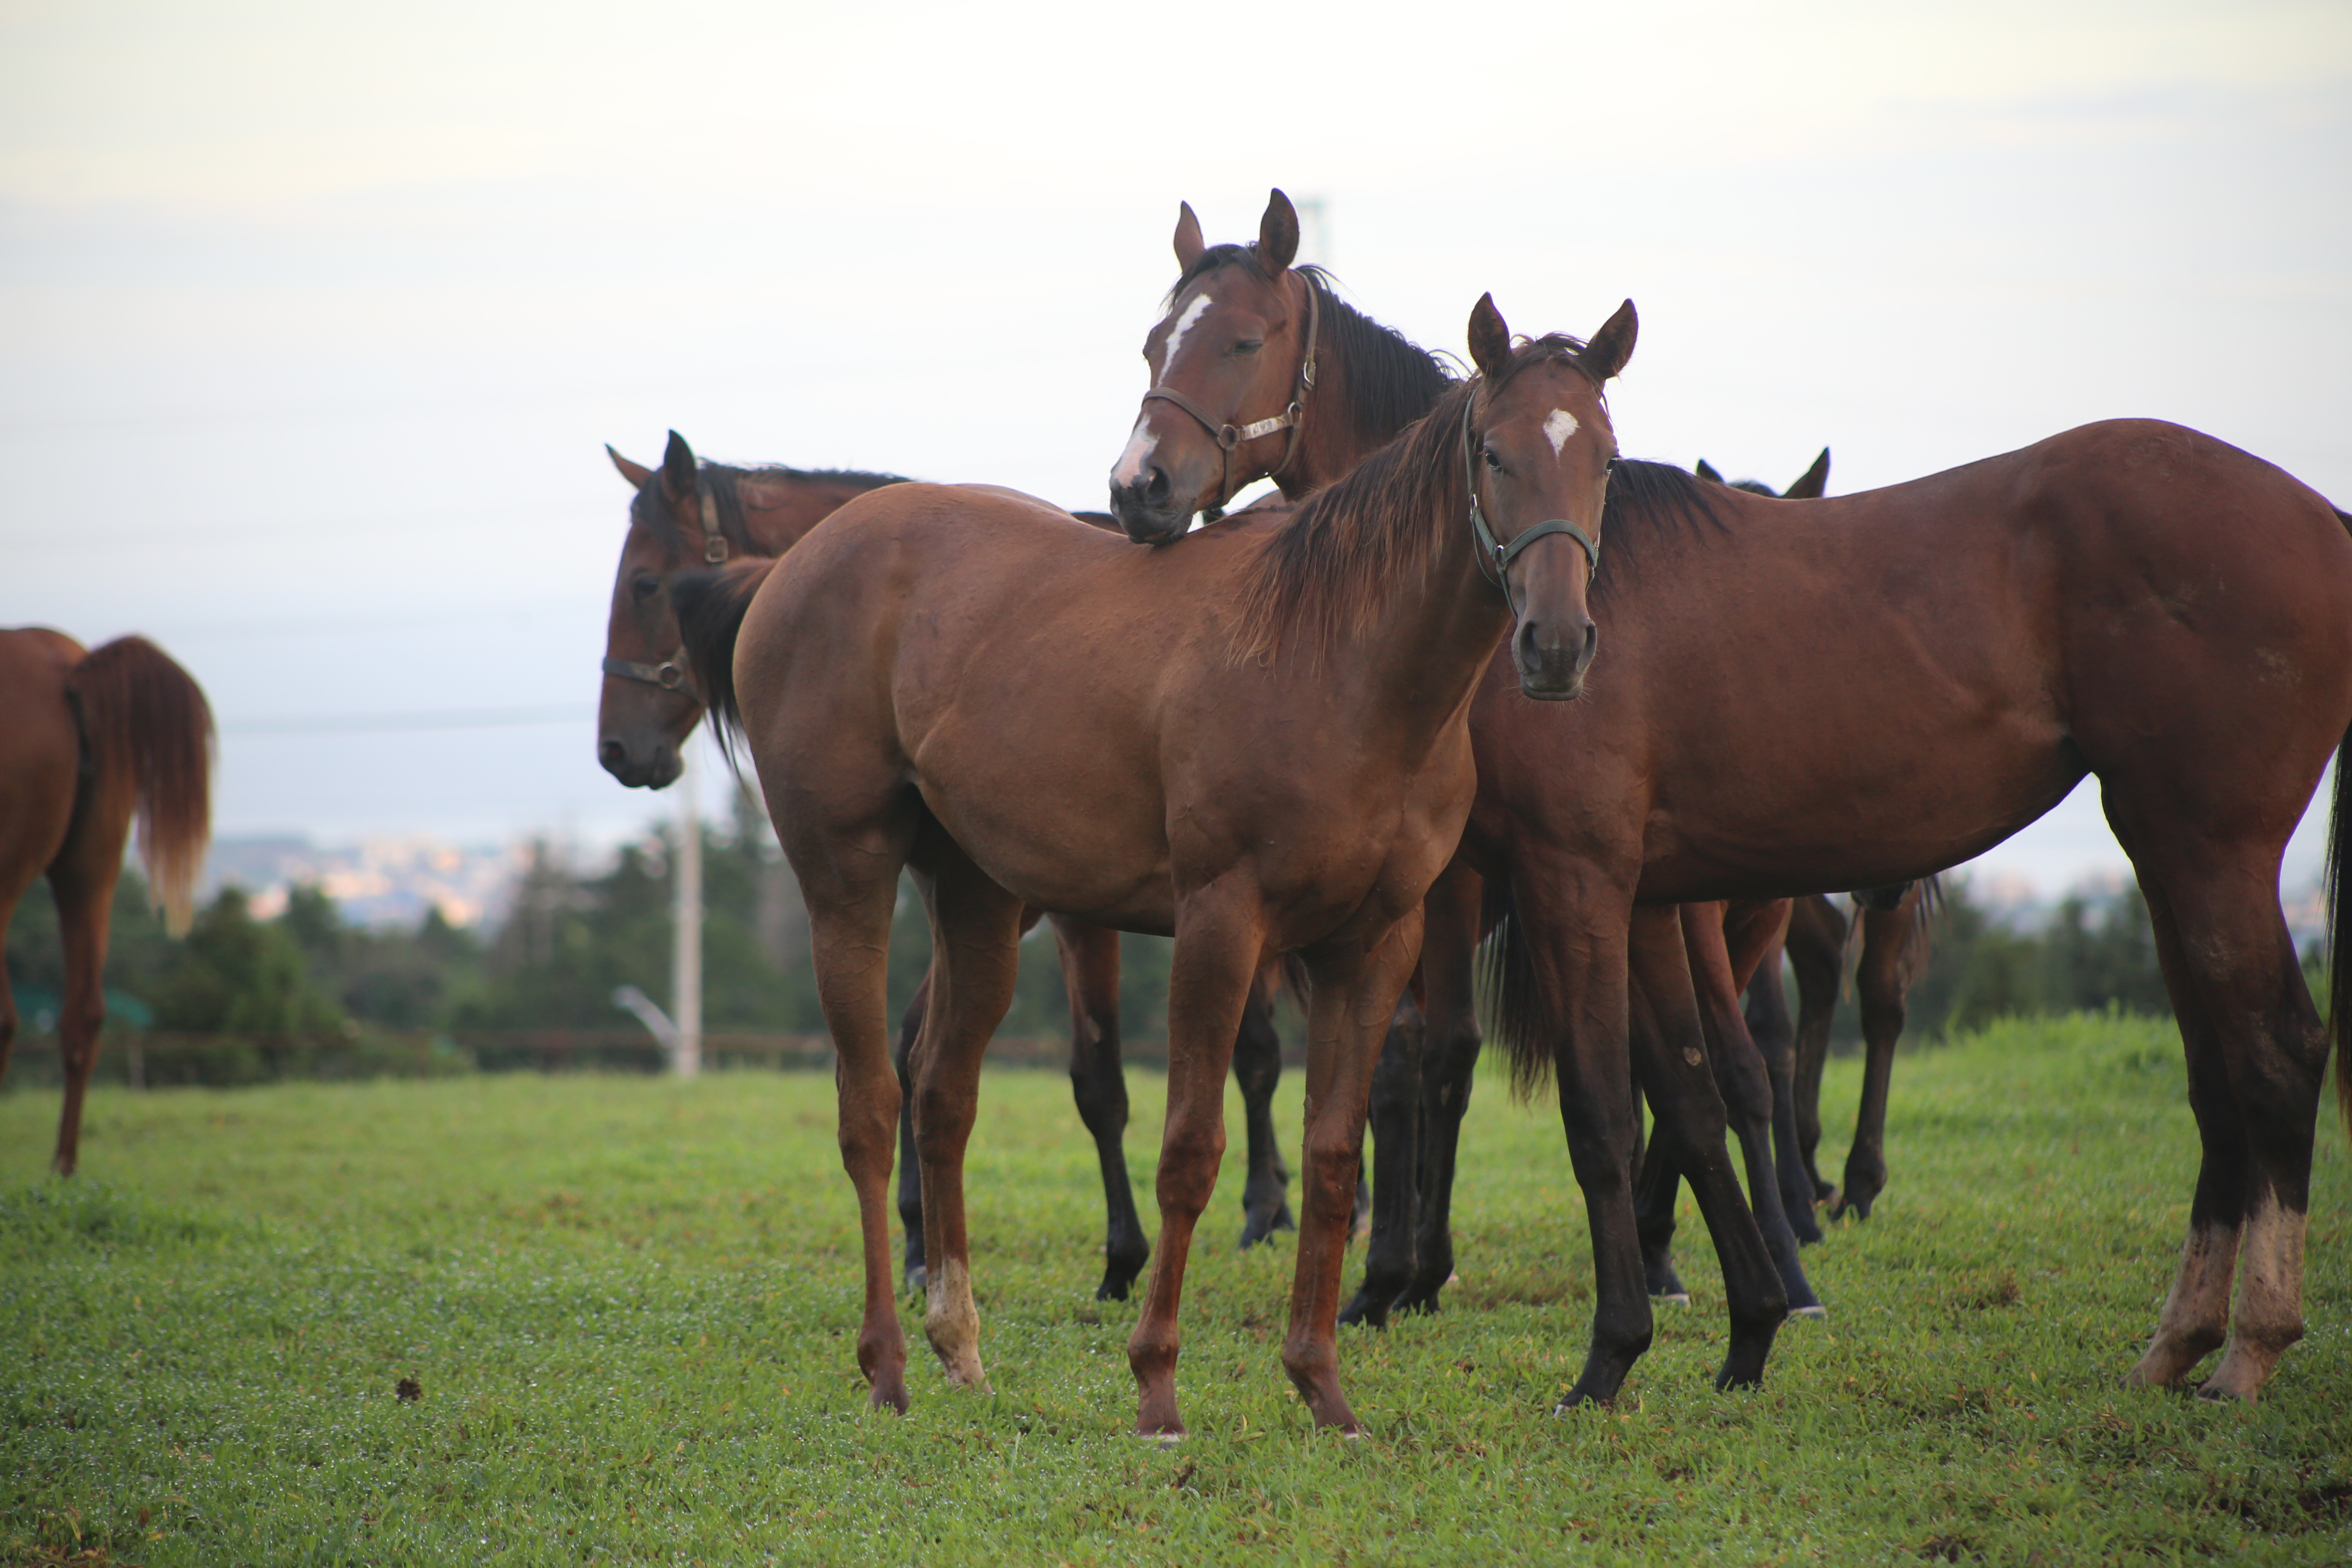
314	318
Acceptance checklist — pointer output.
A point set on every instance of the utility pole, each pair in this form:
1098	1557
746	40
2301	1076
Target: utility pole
685	951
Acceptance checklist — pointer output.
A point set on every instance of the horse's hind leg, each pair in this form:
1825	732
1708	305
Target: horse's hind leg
1816	950
910	1171
1449	1066
849	879
1396	1124
1098	1085
1257	1073
1692	1122
1883	981
82	877
1775	1034
975	959
2256	1054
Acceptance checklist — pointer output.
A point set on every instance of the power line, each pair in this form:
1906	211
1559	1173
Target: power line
382	723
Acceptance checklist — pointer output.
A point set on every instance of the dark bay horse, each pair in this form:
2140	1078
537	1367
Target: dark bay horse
94	740
1252	737
1251	378
689	515
1894	926
2129	599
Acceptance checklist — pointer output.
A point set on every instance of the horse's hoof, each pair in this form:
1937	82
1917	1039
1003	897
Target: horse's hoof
1161	1439
918	1280
1815	1311
1673	1298
1369	1311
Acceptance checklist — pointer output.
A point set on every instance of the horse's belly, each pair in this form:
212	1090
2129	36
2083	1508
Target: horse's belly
1872	828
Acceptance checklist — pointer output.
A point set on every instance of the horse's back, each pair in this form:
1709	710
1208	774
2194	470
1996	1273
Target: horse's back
40	752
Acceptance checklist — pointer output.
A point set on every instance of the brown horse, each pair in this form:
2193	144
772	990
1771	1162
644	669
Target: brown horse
690	514
2129	599
1252	349
1254	737
94	740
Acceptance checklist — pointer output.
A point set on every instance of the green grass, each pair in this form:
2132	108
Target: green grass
631	1305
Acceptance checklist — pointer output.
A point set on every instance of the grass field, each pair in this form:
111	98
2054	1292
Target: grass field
631	1304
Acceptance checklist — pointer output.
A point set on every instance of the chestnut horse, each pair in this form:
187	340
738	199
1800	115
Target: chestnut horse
2066	609
1254	737
1253	348
92	741
689	514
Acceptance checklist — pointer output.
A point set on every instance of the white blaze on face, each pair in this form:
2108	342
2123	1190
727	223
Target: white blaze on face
1192	314
1129	467
1558	428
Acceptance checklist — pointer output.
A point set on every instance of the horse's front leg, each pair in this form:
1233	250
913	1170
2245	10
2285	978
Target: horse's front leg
1220	938
1355	991
1395	1112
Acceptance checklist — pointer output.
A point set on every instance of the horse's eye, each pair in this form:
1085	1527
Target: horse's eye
1492	462
1249	346
646	587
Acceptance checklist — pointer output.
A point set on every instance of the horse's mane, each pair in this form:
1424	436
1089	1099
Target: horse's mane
725	495
1334	565
1391	380
1650	505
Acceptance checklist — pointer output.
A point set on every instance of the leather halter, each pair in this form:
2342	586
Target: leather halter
674	673
1495	558
1230	437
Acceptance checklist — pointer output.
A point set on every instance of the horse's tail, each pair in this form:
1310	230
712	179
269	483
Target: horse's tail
1519	1013
710	606
150	731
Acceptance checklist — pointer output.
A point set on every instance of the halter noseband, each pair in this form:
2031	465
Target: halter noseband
674	673
1495	558
1231	437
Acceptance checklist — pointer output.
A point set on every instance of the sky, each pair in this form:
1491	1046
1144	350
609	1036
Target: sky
314	320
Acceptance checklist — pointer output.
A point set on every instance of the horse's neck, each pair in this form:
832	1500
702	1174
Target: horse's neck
1423	656
1335	439
788	508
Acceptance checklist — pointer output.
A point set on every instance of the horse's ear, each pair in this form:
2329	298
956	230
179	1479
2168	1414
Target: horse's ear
1277	236
1612	345
635	473
1813	483
1705	470
1490	338
677	469
1189	243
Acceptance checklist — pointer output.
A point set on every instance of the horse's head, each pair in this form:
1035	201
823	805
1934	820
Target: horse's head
649	704
1229	363
1537	444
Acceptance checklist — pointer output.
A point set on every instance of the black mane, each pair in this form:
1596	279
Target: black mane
1650	505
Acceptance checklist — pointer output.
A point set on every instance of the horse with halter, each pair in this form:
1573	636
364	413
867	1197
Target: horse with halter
95	740
691	515
2129	599
1341	380
1252	737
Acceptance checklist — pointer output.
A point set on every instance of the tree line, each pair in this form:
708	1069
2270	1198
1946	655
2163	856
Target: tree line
570	938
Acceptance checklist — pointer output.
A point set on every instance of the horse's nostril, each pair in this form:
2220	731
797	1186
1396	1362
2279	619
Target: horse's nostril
1156	485
611	754
1592	643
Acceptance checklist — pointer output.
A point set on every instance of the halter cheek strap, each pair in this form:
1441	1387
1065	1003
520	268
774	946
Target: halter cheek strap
1495	558
1231	437
674	674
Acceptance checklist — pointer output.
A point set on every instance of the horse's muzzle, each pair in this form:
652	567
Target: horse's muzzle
655	767
1147	508
1551	667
